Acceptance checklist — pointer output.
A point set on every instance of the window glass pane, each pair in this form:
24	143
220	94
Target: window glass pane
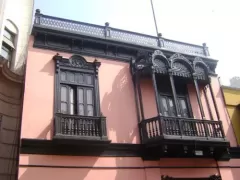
63	76
183	105
89	110
80	109
165	107
89	79
71	95
71	101
71	77
64	94
6	52
172	108
80	78
89	96
63	107
80	95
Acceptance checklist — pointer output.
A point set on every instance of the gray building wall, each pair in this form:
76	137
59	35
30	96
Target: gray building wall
19	13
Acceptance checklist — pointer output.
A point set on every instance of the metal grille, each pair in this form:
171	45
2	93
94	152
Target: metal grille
72	26
183	48
134	38
116	34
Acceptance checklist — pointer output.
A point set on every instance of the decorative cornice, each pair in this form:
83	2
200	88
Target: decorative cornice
76	61
160	62
180	65
177	65
178	56
105	48
198	60
157	53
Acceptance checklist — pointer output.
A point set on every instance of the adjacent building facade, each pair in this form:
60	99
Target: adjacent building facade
15	25
232	102
16	21
104	103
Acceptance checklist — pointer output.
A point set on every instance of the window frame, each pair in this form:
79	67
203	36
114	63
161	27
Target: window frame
179	96
10	51
9	43
75	85
12	35
78	66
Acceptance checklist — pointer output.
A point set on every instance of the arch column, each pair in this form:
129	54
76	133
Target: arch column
156	91
174	92
208	103
213	99
157	100
198	96
96	81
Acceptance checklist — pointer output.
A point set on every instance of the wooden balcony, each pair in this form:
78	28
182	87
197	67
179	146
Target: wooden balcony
157	128
183	137
74	127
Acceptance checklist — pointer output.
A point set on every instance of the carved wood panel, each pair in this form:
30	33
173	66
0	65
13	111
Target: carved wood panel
160	66
76	62
177	64
180	69
200	72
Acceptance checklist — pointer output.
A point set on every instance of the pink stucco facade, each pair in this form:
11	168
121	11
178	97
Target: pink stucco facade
118	105
116	90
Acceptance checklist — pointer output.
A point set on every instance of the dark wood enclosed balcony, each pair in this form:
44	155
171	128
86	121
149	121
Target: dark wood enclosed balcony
80	127
177	83
161	127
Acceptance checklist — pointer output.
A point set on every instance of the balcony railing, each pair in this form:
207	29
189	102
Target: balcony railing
80	127
106	32
181	128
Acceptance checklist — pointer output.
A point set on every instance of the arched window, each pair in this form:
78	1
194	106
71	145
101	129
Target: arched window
180	69
9	41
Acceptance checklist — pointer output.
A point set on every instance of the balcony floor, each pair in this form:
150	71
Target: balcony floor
186	138
183	137
74	139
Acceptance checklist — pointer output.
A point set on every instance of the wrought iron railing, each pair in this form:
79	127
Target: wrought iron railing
80	126
160	127
107	32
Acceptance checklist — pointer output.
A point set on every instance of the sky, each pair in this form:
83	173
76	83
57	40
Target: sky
215	22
